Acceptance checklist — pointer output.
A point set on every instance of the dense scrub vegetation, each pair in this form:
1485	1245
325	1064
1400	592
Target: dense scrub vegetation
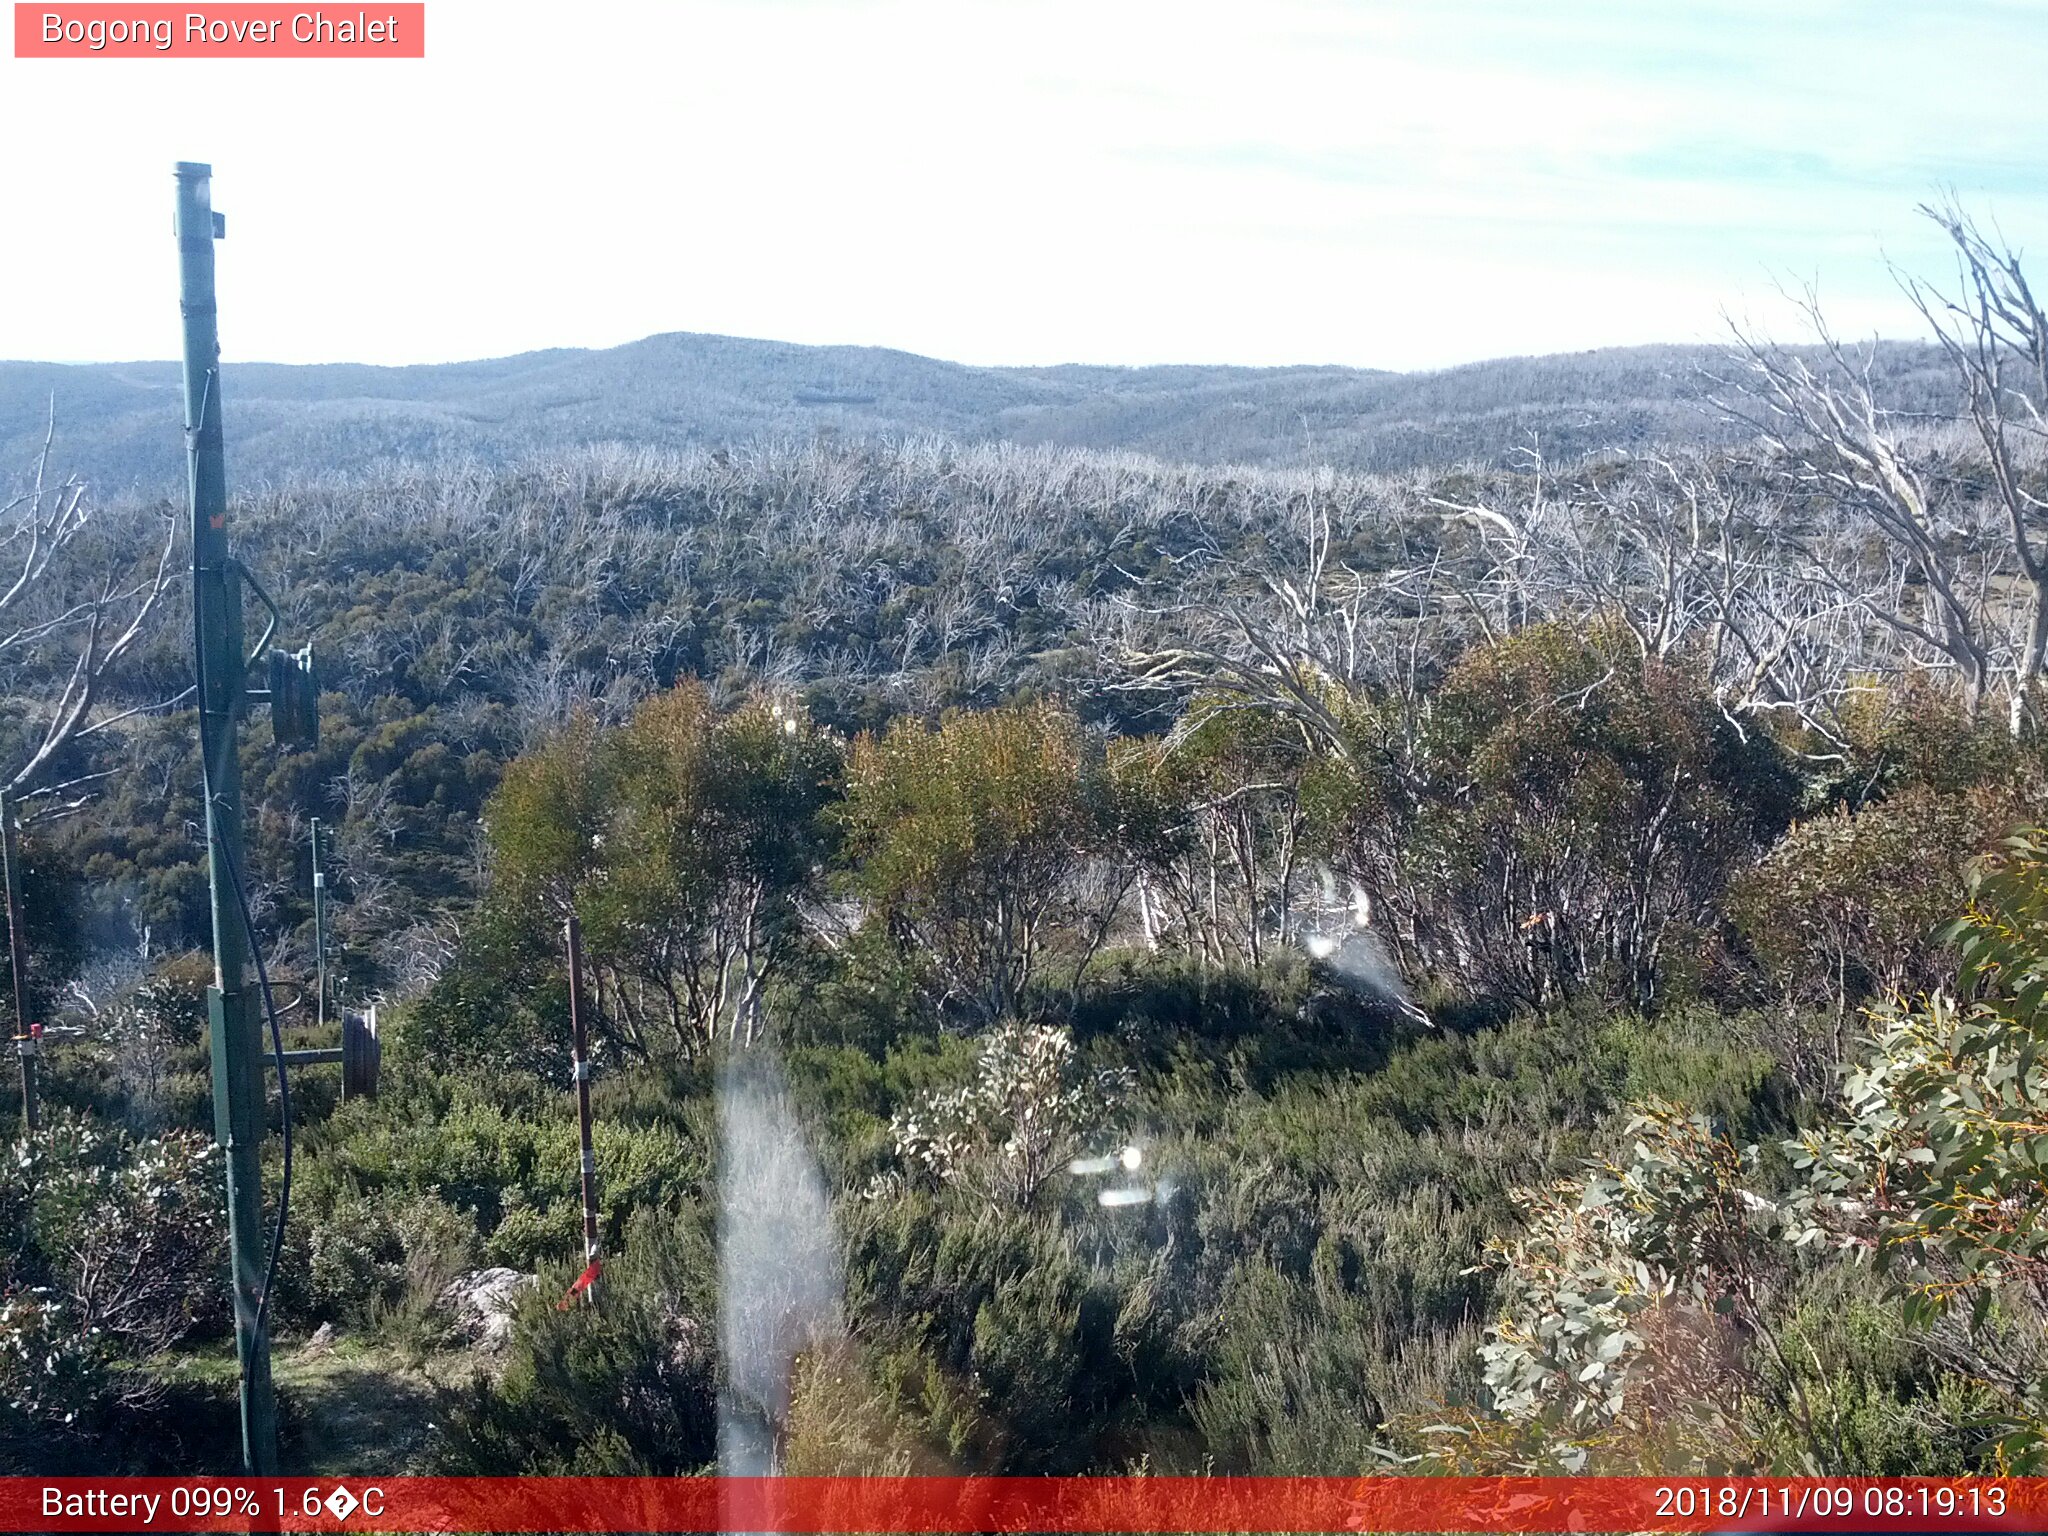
1272	971
985	952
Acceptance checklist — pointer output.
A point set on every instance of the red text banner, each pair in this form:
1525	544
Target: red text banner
1050	1504
226	31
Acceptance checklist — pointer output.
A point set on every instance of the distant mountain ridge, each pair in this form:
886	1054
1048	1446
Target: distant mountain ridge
118	423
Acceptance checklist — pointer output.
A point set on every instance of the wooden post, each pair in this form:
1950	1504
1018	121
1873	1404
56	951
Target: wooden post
26	1043
579	1033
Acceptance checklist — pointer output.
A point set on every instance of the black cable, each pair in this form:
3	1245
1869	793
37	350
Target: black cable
206	754
284	1089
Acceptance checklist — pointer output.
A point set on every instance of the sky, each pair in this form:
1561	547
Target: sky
1380	183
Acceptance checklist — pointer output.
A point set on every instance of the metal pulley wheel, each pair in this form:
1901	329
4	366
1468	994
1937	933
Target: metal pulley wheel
294	698
362	1052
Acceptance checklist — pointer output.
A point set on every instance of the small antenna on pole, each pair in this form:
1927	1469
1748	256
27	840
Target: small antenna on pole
319	930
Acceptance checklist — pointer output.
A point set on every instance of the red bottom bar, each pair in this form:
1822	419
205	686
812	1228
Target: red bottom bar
947	1505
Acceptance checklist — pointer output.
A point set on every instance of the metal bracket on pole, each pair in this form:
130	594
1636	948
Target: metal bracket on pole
361	1054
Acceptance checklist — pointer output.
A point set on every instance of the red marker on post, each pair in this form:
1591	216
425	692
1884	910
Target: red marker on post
583	1283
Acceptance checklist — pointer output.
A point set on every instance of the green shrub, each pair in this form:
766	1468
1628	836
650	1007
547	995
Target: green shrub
113	1253
1030	1108
966	839
1306	1372
1036	1359
1559	808
1887	1402
128	1231
1847	905
685	840
625	1388
381	1261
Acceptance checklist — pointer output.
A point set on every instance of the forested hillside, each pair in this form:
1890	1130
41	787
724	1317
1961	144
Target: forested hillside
121	421
1098	963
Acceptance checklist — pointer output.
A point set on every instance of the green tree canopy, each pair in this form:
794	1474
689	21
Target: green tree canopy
969	839
685	841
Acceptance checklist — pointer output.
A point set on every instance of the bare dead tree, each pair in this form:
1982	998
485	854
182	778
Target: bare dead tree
1684	553
1300	638
76	605
1831	441
1995	334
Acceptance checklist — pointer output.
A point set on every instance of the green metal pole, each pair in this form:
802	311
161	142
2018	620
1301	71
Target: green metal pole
319	929
238	1082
